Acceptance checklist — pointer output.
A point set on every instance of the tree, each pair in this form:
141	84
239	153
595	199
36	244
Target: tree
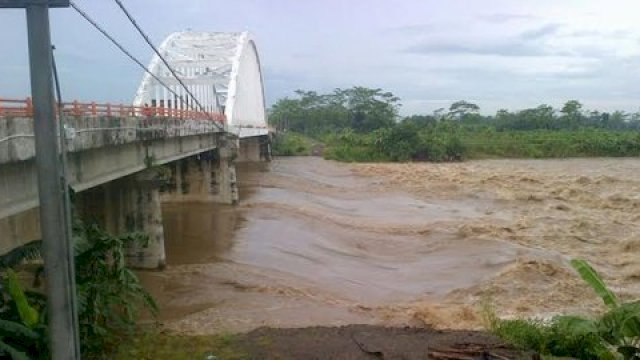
618	120
461	109
420	120
572	108
360	108
370	109
572	114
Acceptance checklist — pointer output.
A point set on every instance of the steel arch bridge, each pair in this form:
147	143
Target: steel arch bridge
221	70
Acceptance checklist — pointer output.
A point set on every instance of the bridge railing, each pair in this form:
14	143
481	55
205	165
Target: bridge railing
24	108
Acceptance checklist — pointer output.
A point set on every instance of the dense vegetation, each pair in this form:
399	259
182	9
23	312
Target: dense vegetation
361	124
109	296
613	335
292	144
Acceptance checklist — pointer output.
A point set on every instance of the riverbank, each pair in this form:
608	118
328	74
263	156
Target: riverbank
351	342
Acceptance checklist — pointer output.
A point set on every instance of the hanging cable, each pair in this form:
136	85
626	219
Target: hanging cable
166	63
134	59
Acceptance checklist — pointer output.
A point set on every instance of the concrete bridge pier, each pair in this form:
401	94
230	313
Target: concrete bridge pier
133	205
209	176
254	149
224	179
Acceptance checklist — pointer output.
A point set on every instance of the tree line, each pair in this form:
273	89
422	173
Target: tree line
362	124
363	109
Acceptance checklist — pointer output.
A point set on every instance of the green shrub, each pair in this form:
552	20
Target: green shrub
551	143
109	295
403	142
615	334
292	144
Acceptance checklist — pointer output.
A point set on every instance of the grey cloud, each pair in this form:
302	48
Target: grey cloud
547	30
525	44
620	34
511	48
414	29
505	17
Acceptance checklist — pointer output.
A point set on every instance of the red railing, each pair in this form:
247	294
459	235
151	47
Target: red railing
16	107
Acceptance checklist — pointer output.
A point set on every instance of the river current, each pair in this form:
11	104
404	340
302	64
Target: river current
316	242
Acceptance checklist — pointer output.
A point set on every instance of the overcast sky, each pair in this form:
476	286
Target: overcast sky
498	53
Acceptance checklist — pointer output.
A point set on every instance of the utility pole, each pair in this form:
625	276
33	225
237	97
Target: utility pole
61	304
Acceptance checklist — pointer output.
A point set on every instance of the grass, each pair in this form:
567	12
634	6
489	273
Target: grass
550	144
452	142
551	339
154	345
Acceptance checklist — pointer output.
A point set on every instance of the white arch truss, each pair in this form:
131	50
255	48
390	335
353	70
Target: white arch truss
221	70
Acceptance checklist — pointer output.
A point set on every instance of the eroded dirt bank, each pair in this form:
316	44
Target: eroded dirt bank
321	243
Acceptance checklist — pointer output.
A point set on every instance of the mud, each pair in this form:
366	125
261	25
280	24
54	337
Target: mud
322	243
373	342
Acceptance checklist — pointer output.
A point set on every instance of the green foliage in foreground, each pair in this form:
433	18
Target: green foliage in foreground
109	297
22	321
614	335
292	144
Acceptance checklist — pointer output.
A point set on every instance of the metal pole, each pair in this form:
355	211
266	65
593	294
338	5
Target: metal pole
67	199
60	291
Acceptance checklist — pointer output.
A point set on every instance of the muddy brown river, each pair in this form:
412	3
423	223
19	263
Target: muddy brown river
315	242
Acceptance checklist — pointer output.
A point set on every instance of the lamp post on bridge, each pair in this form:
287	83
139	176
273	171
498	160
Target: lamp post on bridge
58	257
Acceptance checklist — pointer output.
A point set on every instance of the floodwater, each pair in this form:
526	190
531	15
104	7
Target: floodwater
315	242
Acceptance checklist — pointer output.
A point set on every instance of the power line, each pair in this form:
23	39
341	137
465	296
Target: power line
119	46
166	63
133	58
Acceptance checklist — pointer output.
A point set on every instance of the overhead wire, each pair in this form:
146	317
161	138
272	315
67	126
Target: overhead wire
155	49
138	62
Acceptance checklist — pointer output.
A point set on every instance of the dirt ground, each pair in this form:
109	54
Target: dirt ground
374	342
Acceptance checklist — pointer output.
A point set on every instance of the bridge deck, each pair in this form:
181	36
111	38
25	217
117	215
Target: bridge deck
101	148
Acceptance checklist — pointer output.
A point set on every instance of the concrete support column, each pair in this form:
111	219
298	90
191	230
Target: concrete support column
206	167
265	148
178	176
133	205
226	187
250	149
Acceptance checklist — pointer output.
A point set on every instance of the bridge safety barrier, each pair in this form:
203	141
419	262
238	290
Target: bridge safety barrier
24	108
